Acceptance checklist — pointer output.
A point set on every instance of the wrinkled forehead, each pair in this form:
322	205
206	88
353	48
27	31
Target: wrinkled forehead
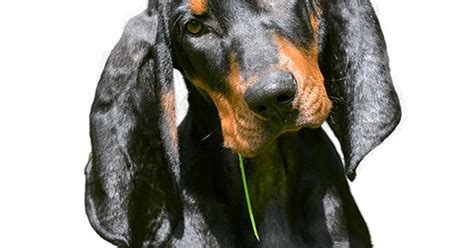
238	9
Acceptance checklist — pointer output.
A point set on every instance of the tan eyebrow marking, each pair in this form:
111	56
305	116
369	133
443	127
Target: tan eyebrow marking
198	7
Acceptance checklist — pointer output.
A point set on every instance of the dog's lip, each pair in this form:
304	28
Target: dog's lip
271	129
287	124
271	138
287	118
261	149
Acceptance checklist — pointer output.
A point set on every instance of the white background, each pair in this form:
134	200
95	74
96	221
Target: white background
414	191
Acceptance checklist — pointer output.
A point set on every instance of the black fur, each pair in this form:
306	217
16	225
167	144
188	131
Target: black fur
144	191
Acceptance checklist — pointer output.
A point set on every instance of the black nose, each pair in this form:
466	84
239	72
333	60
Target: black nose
273	95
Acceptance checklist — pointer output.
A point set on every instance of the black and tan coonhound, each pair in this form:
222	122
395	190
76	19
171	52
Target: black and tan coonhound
262	76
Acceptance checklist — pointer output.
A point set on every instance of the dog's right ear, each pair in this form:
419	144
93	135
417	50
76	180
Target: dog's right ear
131	178
355	65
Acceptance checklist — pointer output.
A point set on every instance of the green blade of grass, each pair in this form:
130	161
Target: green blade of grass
247	197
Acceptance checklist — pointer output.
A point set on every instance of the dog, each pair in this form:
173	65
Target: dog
262	76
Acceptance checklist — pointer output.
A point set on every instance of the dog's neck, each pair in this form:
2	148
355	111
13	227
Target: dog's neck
268	176
267	173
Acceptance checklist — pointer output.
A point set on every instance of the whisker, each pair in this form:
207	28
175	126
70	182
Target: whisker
337	79
209	135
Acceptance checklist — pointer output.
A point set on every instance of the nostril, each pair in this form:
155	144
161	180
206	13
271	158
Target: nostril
273	95
285	98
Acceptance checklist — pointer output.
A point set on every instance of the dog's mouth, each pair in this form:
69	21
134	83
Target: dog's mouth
249	134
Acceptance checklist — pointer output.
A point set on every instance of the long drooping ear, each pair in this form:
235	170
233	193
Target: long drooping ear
132	197
355	65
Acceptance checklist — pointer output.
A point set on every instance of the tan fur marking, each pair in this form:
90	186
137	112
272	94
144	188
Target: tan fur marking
234	75
167	104
312	100
198	7
241	128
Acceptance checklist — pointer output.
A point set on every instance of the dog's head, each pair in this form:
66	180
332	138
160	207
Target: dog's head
258	63
268	66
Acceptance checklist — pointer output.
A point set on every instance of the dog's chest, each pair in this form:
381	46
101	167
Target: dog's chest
214	228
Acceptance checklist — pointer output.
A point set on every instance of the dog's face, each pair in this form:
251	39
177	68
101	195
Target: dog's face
258	62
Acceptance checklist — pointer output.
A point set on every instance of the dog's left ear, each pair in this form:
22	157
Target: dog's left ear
355	65
132	178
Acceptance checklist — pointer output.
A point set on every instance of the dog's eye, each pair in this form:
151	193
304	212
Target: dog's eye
195	27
